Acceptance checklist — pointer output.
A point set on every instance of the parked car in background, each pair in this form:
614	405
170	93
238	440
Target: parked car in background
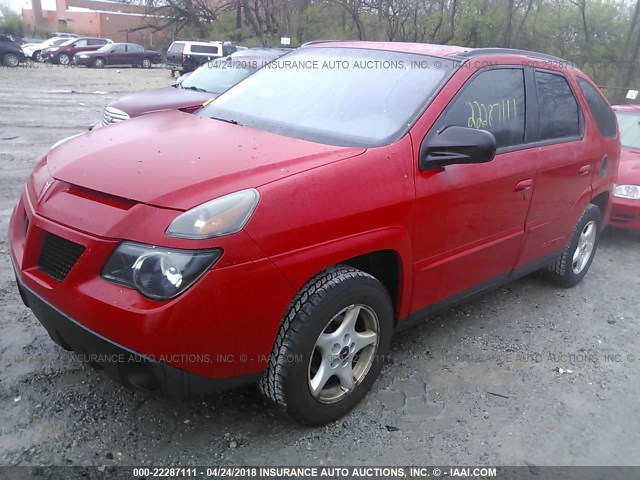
186	56
29	41
119	54
626	196
64	53
206	83
10	52
64	34
283	232
34	50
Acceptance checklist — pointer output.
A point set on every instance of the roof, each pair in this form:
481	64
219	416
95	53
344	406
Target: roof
436	50
629	108
420	48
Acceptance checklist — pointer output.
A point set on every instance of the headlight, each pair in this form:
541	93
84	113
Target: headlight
627	191
84	55
157	273
222	216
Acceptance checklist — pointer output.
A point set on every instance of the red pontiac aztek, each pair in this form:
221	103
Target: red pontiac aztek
282	233
625	208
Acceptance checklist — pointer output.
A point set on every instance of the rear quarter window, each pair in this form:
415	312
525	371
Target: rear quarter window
559	111
204	49
600	109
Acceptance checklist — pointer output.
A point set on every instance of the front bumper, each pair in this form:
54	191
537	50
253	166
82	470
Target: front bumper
121	364
625	213
80	61
217	334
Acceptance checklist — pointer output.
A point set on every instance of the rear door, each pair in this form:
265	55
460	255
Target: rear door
566	163
470	218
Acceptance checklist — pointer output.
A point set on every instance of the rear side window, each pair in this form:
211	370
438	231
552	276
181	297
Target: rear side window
176	48
559	113
204	49
96	41
132	47
492	100
80	43
602	113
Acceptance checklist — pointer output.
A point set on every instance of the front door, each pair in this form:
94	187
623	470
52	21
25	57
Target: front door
470	219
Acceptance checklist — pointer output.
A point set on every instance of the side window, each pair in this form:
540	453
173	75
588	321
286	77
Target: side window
559	113
492	100
204	49
80	43
119	48
602	113
132	47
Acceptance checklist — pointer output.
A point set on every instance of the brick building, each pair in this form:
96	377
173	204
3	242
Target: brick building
95	18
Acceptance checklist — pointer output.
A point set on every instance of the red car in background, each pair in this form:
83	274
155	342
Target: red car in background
63	53
193	89
283	232
625	211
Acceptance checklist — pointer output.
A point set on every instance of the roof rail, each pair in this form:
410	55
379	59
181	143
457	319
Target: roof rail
313	42
511	51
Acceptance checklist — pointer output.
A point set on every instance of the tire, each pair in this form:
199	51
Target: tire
98	63
63	59
146	63
10	60
571	267
355	309
37	56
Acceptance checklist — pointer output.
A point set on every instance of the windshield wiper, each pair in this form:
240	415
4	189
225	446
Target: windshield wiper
195	89
232	122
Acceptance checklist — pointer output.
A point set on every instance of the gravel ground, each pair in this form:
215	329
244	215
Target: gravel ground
520	376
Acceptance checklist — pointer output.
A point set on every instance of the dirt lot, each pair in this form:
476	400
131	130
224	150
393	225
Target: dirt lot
518	376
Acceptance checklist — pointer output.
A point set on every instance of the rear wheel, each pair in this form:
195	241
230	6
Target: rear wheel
63	59
146	63
98	63
575	261
330	347
10	60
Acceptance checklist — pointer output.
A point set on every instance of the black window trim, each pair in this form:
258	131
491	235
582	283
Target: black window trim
437	125
536	142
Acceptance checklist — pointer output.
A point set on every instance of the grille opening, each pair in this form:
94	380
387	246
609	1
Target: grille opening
58	256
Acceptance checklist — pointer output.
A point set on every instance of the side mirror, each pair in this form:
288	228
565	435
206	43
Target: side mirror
455	145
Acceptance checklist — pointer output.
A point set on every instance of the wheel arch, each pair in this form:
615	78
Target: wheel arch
602	202
389	262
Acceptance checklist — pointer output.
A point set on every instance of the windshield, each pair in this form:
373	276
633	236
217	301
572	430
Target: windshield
629	123
337	96
220	75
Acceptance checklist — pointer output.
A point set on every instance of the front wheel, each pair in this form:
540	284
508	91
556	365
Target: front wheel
146	63
330	347
63	59
575	261
98	63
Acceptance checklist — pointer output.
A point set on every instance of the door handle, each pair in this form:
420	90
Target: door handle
584	170
523	185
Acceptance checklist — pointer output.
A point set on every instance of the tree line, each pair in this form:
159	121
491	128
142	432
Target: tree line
602	37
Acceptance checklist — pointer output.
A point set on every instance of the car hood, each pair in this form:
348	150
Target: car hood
166	98
629	169
178	160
